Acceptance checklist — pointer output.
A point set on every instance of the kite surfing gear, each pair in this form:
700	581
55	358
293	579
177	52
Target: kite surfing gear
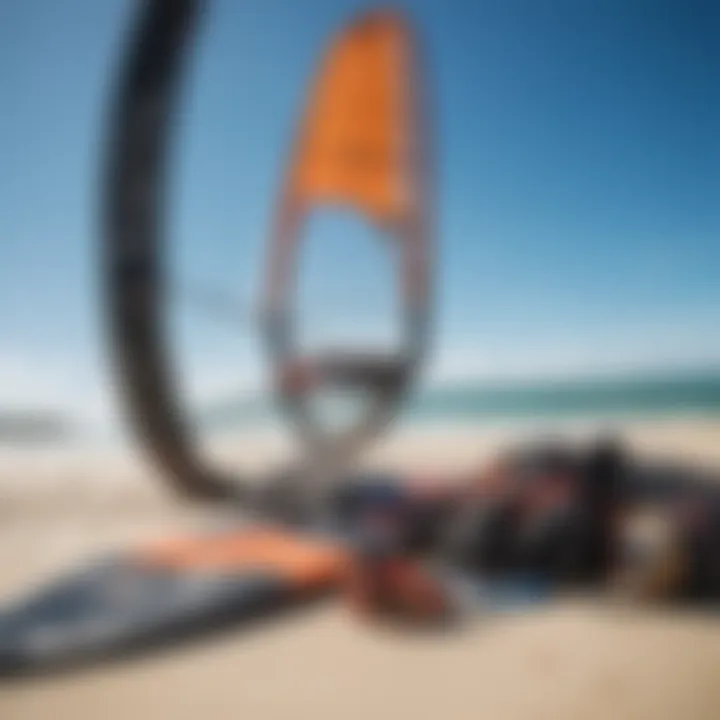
139	141
362	144
164	592
176	588
393	549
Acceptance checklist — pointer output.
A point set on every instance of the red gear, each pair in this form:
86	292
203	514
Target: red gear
395	586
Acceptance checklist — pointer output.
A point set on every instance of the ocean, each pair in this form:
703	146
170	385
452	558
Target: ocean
694	394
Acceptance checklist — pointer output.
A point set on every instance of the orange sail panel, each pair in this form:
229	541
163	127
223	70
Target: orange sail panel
355	145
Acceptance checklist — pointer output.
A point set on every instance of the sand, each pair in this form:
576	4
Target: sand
570	659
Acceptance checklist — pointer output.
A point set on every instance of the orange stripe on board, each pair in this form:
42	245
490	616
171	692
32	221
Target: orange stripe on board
303	562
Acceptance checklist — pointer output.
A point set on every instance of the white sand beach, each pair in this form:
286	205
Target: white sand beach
568	660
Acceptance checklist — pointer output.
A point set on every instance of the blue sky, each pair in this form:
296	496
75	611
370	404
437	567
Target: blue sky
578	177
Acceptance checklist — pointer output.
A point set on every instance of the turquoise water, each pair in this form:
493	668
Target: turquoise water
630	395
694	395
687	394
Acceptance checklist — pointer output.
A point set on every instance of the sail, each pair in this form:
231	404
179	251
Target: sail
360	144
357	140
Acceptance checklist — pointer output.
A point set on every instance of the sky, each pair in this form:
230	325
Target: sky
578	177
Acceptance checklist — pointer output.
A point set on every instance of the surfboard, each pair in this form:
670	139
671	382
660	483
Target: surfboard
164	592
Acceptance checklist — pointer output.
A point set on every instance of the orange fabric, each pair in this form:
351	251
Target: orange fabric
302	561
356	140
